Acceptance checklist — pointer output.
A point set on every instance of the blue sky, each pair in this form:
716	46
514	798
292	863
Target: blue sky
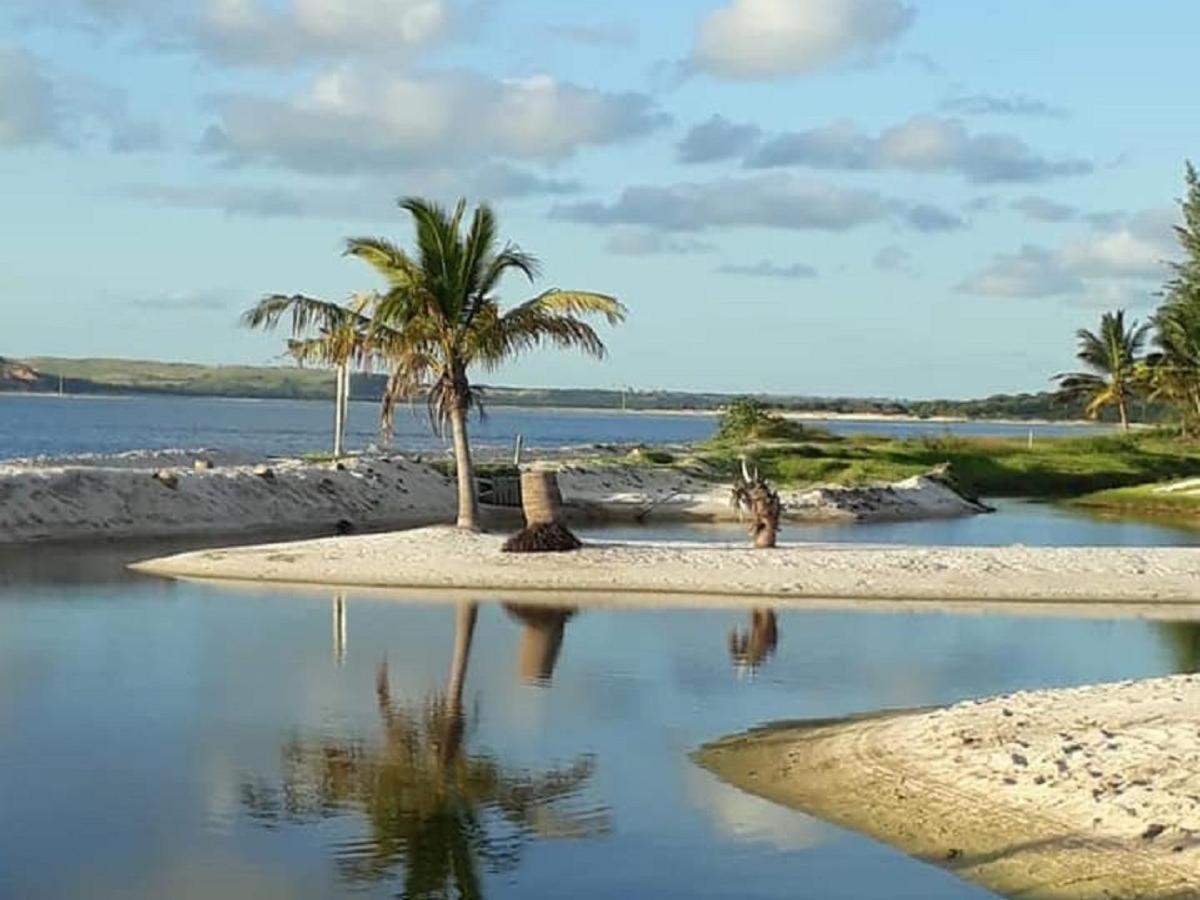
872	197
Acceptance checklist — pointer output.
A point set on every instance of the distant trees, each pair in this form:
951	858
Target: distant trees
1170	374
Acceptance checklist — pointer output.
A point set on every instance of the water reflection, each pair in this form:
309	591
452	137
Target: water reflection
1182	640
444	814
541	639
339	629
750	649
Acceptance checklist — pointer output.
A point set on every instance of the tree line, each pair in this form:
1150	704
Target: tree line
1117	369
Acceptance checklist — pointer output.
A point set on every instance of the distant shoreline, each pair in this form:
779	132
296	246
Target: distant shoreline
796	415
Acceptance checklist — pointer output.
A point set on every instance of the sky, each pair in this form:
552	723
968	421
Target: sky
891	198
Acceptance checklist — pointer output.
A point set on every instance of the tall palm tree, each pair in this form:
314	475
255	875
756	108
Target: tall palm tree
323	333
443	315
1111	357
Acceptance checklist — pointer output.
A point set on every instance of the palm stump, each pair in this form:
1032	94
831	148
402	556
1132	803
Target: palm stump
544	531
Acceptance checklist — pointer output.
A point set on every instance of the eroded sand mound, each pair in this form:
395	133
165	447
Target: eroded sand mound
162	494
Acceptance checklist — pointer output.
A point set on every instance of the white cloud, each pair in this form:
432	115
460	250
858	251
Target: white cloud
635	240
918	144
992	105
771	38
39	105
29	106
257	32
1042	209
776	200
353	120
282	33
716	138
764	268
1119	262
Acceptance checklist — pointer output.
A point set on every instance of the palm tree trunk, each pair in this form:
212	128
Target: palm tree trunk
465	615
468	505
338	411
1124	413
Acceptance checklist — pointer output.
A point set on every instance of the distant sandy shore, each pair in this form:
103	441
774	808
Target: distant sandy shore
1058	795
447	558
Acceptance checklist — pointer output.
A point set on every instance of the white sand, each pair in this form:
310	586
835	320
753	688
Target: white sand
117	496
651	493
120	497
1080	793
443	557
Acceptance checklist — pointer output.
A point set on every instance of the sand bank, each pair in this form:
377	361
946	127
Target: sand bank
146	494
1081	793
442	557
647	493
162	494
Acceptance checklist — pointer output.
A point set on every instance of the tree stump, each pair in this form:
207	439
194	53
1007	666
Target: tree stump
753	495
541	501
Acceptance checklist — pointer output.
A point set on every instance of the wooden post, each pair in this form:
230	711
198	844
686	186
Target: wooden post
339	411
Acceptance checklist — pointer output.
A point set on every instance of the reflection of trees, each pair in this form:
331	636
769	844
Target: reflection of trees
1183	643
750	649
542	630
439	811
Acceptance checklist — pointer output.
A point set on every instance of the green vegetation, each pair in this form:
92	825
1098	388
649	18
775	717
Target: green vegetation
994	467
748	419
1170	376
1147	499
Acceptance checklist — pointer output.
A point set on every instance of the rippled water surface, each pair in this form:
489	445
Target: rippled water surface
162	739
47	425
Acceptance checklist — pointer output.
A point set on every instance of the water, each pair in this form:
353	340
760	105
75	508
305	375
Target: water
1025	522
194	740
47	425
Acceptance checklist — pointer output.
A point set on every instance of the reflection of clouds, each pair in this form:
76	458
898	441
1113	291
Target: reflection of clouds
748	819
201	876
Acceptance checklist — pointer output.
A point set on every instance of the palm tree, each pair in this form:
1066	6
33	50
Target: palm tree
432	807
1111	359
1172	372
341	340
442	316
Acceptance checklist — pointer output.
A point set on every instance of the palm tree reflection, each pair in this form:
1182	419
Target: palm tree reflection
751	649
542	630
442	813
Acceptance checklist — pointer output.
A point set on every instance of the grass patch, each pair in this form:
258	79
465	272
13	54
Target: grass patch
1143	498
996	467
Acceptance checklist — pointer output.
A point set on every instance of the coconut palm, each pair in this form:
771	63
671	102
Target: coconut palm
324	333
442	310
440	812
1111	358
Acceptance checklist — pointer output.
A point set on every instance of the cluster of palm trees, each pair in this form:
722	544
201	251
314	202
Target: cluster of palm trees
437	316
1116	369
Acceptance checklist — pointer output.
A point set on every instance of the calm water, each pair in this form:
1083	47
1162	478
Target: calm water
32	426
162	739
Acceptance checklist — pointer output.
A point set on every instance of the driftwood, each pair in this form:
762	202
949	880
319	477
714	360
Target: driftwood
754	496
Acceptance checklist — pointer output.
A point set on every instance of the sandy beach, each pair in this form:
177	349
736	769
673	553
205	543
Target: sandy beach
447	558
1080	793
